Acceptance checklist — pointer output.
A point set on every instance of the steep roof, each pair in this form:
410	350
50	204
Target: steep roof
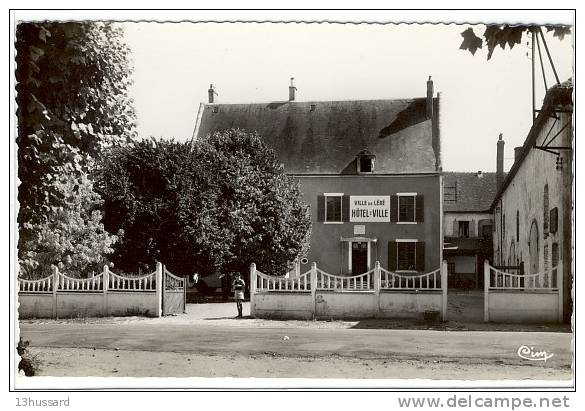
468	192
324	137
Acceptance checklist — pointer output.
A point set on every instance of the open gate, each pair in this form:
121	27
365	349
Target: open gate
174	293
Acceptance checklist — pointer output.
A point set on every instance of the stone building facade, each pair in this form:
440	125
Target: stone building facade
533	208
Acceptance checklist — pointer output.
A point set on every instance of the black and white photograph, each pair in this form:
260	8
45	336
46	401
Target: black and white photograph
199	202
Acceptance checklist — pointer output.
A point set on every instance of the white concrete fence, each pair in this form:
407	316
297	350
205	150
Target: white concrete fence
376	293
535	298
105	294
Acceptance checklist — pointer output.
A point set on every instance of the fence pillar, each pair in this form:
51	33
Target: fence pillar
486	289
55	273
253	281
314	287
444	288
159	289
560	285
377	286
106	286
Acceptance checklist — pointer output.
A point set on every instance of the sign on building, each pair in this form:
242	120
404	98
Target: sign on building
369	209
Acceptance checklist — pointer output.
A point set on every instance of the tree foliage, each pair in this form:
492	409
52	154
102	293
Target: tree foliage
495	36
72	81
71	236
216	206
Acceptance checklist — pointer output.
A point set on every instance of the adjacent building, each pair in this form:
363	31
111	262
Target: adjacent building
532	209
369	169
467	226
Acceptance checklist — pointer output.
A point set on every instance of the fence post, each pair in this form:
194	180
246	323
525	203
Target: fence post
377	286
486	288
159	289
314	287
55	273
106	285
253	281
444	288
560	285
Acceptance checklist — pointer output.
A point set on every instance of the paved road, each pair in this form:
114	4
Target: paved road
465	347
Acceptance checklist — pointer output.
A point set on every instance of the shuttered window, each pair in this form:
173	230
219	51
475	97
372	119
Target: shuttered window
332	208
407	208
406	255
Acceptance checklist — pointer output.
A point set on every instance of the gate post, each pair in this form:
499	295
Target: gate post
560	285
55	273
377	286
252	288
486	288
444	288
159	289
106	284
314	287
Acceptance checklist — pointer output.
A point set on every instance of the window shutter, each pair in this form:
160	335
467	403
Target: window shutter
554	220
420	256
420	208
455	228
320	208
392	262
393	209
472	228
345	208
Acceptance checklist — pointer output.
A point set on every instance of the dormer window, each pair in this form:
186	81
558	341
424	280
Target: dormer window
365	162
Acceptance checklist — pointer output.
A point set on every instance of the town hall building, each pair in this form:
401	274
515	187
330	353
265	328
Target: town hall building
370	170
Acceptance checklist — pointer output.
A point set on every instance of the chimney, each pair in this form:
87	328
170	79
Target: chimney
500	163
211	93
429	98
291	90
517	153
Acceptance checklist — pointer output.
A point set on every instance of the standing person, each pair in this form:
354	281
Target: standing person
238	286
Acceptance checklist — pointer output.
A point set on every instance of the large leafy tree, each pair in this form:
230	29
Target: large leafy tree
214	206
72	81
251	211
502	35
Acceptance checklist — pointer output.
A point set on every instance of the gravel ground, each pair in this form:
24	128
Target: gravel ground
82	362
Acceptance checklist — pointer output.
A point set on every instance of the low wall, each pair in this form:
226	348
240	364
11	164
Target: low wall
523	298
346	305
283	305
317	294
106	294
80	304
523	306
35	305
402	304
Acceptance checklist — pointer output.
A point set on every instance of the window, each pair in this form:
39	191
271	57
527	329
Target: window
464	229
366	165
486	231
406	205
365	162
406	256
333	208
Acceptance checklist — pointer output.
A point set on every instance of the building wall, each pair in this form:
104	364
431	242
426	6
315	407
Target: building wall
525	194
331	254
449	220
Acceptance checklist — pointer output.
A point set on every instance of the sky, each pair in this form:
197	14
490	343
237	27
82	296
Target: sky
174	64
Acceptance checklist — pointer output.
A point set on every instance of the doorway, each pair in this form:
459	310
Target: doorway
359	257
